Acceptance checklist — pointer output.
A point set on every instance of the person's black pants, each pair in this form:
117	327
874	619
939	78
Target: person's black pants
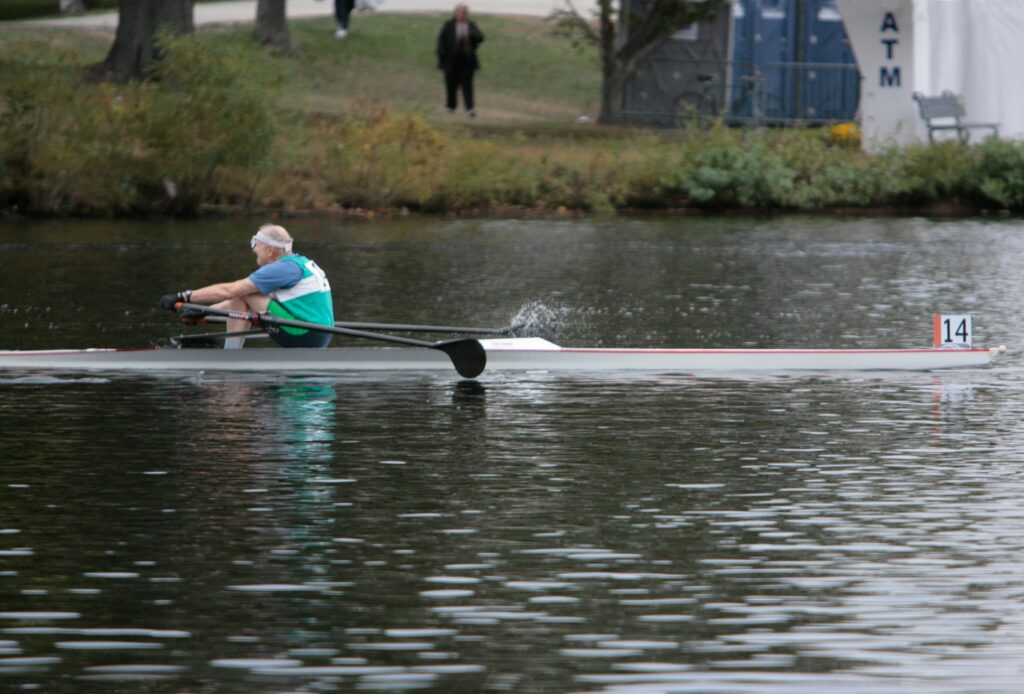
459	77
342	10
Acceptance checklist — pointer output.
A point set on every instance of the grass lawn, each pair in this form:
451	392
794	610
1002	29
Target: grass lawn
527	77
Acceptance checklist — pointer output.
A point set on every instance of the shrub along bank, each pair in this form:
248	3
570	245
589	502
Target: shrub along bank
208	133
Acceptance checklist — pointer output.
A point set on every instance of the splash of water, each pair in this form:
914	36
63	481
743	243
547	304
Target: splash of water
537	319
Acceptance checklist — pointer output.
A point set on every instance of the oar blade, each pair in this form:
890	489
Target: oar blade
468	356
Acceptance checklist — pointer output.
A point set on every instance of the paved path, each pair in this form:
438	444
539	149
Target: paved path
241	11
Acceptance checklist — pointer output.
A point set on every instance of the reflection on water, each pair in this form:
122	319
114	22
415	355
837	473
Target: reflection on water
265	533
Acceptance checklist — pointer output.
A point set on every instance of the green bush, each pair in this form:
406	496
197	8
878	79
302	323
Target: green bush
206	109
997	177
376	159
61	141
70	146
929	173
479	174
735	172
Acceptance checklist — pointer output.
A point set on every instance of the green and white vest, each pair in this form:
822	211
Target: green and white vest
308	300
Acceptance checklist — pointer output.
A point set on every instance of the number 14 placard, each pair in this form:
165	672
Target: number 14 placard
952	331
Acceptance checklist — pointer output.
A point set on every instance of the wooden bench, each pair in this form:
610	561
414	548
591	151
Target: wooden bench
948	108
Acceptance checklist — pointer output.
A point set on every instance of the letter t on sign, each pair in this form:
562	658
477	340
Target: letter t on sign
889	76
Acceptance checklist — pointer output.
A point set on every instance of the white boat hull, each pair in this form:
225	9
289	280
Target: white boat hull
508	355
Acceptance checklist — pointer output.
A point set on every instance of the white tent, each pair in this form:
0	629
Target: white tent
973	48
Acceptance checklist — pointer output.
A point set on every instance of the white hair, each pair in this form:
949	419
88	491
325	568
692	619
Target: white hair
276	236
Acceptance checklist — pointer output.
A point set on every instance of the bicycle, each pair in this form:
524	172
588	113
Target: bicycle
702	108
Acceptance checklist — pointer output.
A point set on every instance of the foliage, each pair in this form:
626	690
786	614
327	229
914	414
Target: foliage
998	175
481	175
625	32
639	23
377	159
206	110
218	125
61	144
728	169
931	172
69	146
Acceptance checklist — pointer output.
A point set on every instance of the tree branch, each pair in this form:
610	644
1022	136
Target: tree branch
572	24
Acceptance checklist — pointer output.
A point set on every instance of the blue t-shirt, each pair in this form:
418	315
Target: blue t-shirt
280	274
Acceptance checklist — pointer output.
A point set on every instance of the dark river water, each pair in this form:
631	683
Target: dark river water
535	533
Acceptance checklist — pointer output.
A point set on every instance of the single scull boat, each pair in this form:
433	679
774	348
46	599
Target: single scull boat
470	357
502	355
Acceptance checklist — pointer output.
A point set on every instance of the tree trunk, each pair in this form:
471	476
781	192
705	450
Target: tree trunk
272	25
642	27
72	6
138	23
613	75
613	94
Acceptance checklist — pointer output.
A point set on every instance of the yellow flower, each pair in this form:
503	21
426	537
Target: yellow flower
844	135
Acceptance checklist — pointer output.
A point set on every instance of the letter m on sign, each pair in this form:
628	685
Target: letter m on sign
889	77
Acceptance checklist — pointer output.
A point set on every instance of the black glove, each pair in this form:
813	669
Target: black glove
168	301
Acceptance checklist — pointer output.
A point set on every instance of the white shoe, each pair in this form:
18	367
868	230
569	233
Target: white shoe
340	34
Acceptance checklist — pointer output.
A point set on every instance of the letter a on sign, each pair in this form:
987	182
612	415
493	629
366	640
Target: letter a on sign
889	23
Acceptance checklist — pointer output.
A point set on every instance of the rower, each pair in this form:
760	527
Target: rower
286	285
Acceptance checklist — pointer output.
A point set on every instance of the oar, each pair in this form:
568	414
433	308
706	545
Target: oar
400	327
467	355
216	337
410	328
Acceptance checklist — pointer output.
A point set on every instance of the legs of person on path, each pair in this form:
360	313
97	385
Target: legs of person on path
466	81
342	11
451	87
460	77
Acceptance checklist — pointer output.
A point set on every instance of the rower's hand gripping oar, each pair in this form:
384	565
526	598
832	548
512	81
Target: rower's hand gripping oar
467	355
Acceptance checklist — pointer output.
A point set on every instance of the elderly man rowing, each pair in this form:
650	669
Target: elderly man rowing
286	285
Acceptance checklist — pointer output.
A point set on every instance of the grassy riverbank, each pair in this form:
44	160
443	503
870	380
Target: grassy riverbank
358	126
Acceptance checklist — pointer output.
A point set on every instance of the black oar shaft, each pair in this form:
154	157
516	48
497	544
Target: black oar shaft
268	319
412	328
202	337
467	355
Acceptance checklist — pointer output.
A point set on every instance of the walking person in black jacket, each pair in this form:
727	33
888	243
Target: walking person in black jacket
456	56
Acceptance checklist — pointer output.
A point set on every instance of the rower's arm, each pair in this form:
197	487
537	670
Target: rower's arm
223	291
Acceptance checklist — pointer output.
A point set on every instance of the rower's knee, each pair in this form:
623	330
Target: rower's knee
257	302
233	304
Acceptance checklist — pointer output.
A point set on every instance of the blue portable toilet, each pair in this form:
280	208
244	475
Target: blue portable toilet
800	50
830	83
790	57
763	40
